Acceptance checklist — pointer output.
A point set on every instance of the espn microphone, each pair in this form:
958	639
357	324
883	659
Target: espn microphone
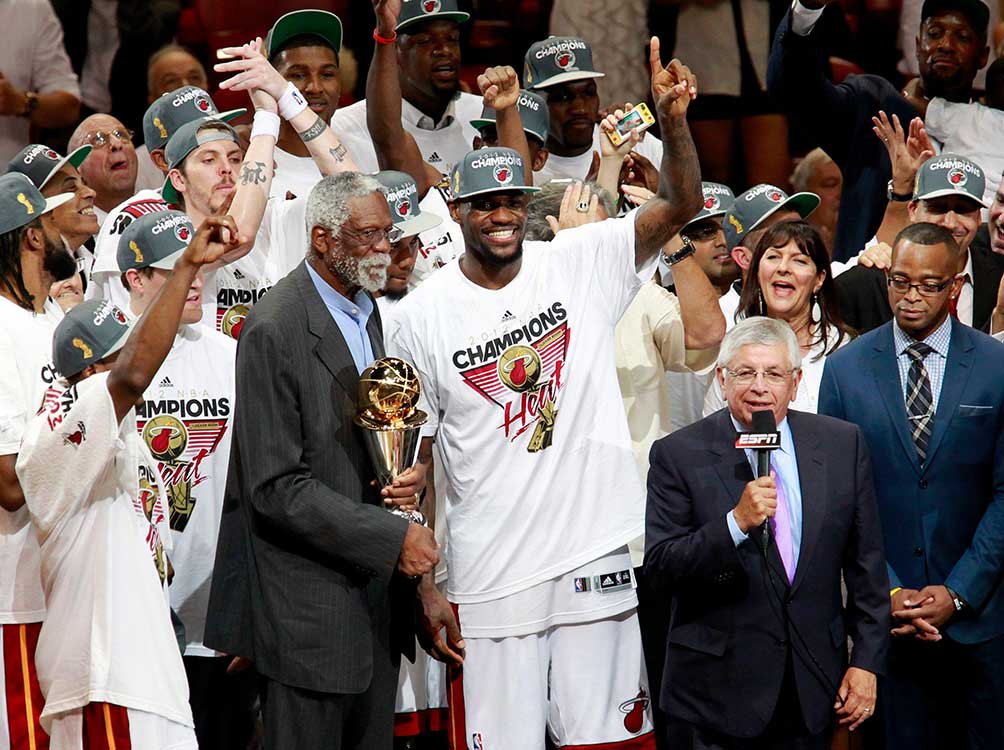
762	439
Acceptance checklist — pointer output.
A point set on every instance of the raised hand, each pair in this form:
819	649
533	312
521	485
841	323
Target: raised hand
608	125
387	13
251	71
905	154
216	237
577	208
673	87
499	87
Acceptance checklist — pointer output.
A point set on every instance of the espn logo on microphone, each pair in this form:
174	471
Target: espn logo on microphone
762	440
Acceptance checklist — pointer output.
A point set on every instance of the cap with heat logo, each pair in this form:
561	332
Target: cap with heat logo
718	199
751	208
402	199
155	240
951	174
532	111
41	163
88	333
414	12
558	59
489	170
176	108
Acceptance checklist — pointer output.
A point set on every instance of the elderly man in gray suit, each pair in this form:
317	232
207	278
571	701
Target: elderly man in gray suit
310	568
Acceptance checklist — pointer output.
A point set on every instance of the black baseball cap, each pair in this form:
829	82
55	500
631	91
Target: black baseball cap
320	23
175	108
91	331
416	11
758	203
975	10
39	162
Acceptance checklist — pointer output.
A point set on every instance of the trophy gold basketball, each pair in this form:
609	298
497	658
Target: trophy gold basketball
386	410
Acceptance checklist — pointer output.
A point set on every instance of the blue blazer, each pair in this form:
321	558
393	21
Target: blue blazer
943	523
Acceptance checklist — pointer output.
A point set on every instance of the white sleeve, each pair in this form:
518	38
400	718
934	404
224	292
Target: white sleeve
804	19
50	68
602	255
66	450
12	411
282	236
402	342
651	148
944	118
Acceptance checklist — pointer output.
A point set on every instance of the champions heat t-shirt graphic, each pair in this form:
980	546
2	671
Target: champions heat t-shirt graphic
522	372
236	294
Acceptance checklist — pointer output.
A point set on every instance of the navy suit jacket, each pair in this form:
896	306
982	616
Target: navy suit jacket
840	117
943	522
727	642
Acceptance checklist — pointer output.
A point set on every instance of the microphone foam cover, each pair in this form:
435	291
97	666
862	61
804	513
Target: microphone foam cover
763	421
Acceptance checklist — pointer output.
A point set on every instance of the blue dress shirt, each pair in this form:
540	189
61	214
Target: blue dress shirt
351	316
785	466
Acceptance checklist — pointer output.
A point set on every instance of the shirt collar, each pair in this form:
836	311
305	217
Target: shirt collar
414	116
938	340
360	305
787	442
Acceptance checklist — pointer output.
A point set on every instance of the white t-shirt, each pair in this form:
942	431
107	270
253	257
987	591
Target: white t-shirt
25	372
185	422
441	244
442	143
293	174
521	390
108	635
971	130
577	167
148	177
105	281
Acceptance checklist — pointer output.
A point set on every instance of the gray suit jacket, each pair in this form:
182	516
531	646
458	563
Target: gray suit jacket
306	551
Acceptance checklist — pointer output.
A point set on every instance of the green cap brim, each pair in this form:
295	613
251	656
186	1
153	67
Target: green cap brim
231	114
802	203
320	23
74	159
450	15
168	192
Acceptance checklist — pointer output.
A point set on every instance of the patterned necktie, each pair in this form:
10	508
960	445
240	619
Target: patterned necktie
919	402
780	527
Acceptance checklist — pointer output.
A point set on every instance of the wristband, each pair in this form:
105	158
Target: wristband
291	103
265	123
384	39
895	591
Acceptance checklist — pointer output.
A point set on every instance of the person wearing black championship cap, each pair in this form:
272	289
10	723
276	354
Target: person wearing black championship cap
434	110
951	49
529	419
31	258
162	118
108	663
303	46
561	69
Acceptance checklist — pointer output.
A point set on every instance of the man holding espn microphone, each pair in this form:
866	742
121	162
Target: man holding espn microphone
757	646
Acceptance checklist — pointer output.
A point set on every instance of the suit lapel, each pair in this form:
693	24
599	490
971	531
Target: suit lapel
331	348
885	372
957	372
812	483
735	472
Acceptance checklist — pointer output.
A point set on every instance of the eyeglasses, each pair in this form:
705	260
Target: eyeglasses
926	288
747	376
373	237
100	139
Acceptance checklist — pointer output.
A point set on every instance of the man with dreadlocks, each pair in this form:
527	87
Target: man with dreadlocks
32	257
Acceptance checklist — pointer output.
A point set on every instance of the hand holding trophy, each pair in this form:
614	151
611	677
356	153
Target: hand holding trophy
386	410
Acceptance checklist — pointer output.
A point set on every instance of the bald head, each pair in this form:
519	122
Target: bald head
110	169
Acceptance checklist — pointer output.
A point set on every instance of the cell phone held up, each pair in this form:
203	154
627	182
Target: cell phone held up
638	118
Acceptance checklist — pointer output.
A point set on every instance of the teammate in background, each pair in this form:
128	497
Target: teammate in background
32	257
303	46
110	169
170	68
185	422
107	660
514	344
162	119
425	50
533	115
561	69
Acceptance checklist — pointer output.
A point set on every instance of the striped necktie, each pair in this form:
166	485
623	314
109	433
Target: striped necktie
919	402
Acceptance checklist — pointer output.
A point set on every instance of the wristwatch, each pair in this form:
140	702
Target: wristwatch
686	251
958	601
898	197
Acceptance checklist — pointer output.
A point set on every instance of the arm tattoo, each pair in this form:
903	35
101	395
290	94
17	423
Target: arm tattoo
339	153
253	174
314	130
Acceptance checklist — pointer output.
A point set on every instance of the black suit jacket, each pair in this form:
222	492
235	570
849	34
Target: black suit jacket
306	550
864	294
839	119
727	643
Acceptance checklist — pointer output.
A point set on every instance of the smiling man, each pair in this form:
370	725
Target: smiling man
434	109
514	343
925	391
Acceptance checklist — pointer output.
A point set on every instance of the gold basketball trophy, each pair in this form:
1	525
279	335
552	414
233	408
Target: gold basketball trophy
391	424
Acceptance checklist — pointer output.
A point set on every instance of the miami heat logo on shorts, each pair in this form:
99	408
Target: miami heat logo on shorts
634	712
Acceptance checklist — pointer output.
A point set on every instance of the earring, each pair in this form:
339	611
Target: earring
763	307
815	313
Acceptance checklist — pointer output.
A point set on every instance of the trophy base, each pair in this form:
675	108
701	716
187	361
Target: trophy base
412	516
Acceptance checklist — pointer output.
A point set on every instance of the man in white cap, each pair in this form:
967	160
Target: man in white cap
31	258
514	344
108	664
433	108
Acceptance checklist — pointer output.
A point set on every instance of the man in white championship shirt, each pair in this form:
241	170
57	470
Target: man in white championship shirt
514	344
107	658
561	68
185	422
434	110
32	256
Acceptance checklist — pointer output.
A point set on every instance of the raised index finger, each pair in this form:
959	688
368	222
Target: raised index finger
654	59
